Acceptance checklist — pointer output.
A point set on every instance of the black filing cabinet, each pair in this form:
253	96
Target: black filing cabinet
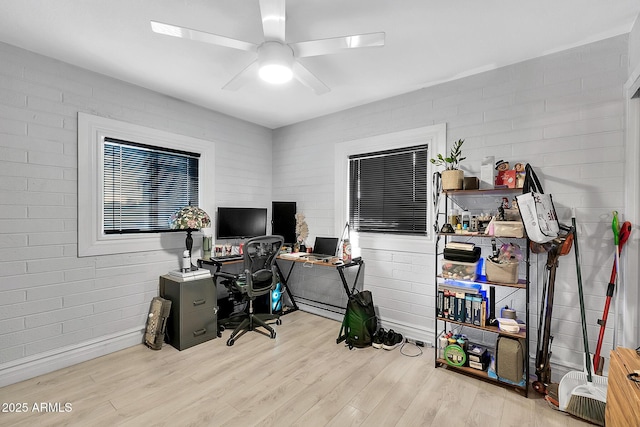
193	319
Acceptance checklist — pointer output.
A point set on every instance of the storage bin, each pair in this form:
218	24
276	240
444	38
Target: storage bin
461	255
508	229
512	215
459	270
501	273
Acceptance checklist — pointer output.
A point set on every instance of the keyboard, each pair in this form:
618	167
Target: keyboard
223	258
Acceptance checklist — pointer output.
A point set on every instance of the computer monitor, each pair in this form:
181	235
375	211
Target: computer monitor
283	220
326	246
240	223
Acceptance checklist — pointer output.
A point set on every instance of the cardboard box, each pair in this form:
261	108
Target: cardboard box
470	183
478	357
487	173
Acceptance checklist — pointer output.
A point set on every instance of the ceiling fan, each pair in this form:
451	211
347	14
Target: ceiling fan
276	59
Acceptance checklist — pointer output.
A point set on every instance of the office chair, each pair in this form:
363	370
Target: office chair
259	278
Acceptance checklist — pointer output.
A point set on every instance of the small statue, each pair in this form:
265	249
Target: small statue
505	178
520	174
502	166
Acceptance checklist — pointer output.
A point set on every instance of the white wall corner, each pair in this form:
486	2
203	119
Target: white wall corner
630	271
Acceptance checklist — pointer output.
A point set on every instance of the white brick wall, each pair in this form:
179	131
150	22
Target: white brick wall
563	113
634	46
52	301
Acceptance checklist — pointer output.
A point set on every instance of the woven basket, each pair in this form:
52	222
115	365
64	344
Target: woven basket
501	273
452	179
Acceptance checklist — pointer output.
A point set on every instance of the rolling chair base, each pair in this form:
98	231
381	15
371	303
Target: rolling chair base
250	323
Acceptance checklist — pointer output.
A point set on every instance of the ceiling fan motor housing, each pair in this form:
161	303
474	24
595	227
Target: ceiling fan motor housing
275	61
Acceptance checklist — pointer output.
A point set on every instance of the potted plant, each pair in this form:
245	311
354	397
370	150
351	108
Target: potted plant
452	176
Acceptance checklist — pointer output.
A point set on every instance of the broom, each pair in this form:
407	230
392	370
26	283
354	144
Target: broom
587	401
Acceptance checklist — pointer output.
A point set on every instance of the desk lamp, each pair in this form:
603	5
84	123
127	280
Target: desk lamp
189	218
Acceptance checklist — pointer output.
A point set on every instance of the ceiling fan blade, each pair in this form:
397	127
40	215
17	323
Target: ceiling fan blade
337	44
249	73
273	19
308	79
201	36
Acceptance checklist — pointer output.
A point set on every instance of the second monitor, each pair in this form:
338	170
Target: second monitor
240	223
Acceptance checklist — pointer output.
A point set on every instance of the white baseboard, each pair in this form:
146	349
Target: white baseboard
411	331
320	311
407	330
33	366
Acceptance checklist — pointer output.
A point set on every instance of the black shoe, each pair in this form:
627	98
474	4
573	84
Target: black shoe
378	338
391	340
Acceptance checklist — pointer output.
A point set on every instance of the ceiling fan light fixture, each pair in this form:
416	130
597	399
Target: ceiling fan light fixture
275	73
275	62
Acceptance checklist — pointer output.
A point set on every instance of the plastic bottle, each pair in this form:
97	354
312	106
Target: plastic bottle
186	261
466	218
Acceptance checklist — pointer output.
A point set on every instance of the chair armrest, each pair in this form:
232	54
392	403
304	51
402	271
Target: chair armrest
224	275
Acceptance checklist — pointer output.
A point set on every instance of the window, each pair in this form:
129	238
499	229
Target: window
381	235
120	215
388	191
144	185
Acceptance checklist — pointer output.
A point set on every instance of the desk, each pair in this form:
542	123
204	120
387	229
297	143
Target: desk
320	293
239	263
317	293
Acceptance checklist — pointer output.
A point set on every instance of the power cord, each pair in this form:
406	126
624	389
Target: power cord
414	343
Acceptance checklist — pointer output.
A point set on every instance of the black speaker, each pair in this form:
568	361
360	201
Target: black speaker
283	220
491	320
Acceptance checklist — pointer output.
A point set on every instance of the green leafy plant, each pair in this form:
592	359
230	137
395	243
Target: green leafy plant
455	157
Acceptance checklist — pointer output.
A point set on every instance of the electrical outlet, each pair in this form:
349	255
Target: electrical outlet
414	342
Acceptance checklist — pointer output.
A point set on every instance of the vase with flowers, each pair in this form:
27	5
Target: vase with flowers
302	233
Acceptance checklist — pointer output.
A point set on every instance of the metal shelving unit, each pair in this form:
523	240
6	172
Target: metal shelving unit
445	324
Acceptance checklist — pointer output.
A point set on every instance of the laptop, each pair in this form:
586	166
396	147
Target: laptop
324	248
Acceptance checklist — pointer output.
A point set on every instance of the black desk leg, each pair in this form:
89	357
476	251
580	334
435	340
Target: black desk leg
344	279
286	286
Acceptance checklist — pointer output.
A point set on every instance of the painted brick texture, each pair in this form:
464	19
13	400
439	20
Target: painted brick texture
49	298
563	113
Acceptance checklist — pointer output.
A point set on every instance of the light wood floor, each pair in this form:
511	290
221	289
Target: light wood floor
301	378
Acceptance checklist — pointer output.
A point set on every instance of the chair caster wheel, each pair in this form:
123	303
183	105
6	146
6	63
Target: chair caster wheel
278	322
230	342
221	328
273	334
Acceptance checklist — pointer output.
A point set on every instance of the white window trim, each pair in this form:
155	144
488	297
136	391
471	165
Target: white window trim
434	136
91	133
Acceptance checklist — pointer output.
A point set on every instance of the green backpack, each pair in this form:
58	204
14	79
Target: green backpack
360	321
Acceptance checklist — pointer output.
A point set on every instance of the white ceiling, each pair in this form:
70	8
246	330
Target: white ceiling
427	42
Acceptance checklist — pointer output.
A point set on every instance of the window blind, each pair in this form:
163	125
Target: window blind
144	185
388	191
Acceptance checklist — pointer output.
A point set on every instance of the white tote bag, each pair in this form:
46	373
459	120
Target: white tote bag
537	210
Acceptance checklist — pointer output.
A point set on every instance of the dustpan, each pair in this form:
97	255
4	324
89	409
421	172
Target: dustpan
580	393
577	383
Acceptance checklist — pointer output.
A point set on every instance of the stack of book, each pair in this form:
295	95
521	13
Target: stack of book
200	273
464	303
